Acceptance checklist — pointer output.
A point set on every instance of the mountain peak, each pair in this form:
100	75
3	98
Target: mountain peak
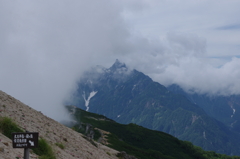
117	65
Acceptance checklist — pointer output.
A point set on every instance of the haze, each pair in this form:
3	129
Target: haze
46	45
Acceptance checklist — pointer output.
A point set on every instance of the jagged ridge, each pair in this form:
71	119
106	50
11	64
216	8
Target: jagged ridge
134	98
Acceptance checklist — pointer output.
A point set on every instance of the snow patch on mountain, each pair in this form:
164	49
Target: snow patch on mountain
234	110
204	135
88	99
134	87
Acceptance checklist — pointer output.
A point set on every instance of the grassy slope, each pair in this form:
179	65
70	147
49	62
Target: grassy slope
44	150
144	143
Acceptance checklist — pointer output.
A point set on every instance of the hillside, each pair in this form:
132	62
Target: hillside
34	121
137	140
224	108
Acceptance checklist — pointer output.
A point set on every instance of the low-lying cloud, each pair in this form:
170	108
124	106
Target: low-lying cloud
45	46
180	59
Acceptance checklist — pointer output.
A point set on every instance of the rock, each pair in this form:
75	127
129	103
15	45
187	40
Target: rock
1	149
5	143
124	155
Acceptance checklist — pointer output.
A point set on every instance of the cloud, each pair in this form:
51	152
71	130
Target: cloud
192	17
229	27
45	46
196	76
180	44
180	59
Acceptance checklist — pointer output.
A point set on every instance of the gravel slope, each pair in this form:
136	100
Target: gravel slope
26	117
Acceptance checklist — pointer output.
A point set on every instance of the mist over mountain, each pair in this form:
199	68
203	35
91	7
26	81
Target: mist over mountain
45	46
129	96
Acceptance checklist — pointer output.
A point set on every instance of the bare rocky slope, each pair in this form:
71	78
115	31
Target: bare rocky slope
34	121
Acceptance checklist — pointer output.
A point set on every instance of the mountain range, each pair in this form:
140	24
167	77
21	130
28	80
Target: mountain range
223	108
90	136
129	96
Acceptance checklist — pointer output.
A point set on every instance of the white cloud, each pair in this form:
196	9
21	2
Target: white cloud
197	44
181	59
46	45
200	17
192	74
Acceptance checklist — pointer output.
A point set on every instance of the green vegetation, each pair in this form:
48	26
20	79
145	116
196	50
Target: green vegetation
97	134
60	145
144	143
108	153
44	150
7	127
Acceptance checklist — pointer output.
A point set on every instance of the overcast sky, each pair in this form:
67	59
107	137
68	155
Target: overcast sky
46	45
